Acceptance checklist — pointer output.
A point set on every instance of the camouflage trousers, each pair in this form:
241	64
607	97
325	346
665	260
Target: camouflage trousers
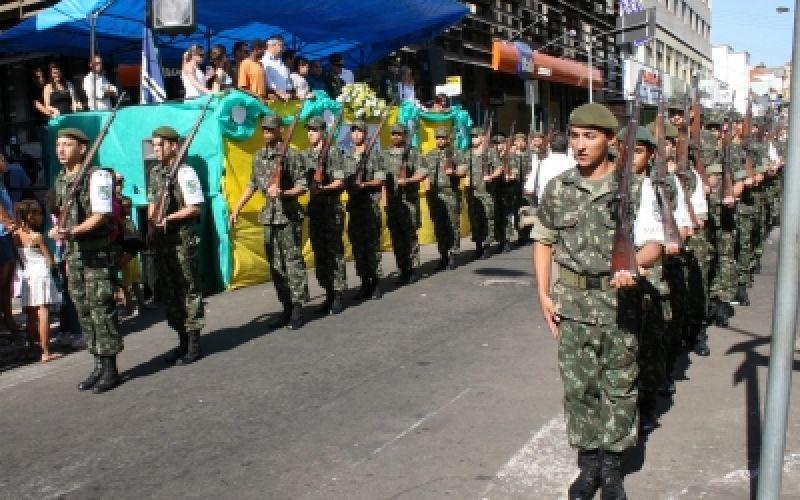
724	273
775	199
402	219
697	272
745	229
445	211
283	246
89	284
177	264
676	308
522	201
653	341
759	227
364	231
480	208
599	371
505	206
326	231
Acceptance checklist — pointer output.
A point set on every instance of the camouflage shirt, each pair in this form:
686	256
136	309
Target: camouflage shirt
334	168
471	161
435	162
81	208
373	171
278	210
157	184
392	160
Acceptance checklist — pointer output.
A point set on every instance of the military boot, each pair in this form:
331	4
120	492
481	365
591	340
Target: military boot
487	252
326	306
193	353
283	319
93	377
648	419
506	246
451	262
110	378
589	481
611	472
701	342
478	251
741	295
296	320
337	306
442	264
405	277
757	267
365	291
377	293
180	351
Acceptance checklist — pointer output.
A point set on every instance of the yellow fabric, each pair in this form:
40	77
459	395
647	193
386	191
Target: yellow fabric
249	266
132	272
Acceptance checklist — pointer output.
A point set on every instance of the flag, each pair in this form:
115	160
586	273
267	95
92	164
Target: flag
627	7
152	81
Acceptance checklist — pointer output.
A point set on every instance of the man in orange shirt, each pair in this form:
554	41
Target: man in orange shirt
251	72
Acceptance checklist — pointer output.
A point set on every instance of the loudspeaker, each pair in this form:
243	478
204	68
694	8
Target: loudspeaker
173	17
432	69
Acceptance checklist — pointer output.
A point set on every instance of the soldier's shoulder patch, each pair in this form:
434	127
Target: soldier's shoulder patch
104	192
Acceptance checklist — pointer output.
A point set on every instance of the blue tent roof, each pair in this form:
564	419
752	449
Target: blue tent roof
365	30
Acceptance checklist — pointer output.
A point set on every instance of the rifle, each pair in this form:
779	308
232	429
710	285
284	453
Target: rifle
162	205
696	131
277	173
487	141
682	171
322	161
358	176
87	160
623	251
507	152
672	236
746	135
726	184
402	174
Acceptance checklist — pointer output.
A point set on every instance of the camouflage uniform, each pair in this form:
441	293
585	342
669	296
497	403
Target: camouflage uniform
506	202
746	214
480	203
759	194
283	223
89	267
444	201
402	210
522	163
599	324
364	228
176	257
326	214
700	255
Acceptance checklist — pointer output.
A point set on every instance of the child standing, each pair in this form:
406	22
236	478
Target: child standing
129	261
38	291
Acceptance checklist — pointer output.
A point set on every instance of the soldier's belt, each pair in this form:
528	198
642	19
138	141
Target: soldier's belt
88	245
445	190
584	281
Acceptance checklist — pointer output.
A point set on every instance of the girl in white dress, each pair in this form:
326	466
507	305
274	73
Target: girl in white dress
38	290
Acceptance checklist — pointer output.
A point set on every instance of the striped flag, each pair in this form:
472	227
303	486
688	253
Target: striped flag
631	7
152	81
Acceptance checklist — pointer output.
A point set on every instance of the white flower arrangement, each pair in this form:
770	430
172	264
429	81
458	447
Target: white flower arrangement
360	100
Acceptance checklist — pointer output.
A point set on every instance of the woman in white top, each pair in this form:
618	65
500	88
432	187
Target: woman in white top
406	86
298	77
194	80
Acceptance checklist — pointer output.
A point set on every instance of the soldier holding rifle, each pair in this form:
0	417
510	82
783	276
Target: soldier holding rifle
444	198
482	166
279	173
593	309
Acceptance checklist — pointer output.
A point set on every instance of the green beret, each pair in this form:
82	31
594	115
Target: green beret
441	132
498	138
536	133
271	121
359	124
593	115
74	133
675	103
476	131
166	133
519	135
738	117
315	122
398	129
642	136
713	119
671	130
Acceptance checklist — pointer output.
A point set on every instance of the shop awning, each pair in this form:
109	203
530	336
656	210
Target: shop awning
519	59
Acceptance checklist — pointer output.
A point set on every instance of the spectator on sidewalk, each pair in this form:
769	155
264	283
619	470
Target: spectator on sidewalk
301	88
16	179
41	115
251	73
219	79
8	254
193	78
240	52
315	77
99	90
130	266
59	95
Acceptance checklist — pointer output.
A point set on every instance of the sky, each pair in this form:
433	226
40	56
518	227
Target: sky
754	26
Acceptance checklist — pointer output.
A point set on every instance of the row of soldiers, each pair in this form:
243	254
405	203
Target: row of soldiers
620	334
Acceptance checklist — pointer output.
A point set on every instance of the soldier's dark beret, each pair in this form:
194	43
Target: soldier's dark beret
398	129
519	135
271	121
166	133
315	122
476	131
642	135
536	133
441	132
74	133
359	124
670	129
593	115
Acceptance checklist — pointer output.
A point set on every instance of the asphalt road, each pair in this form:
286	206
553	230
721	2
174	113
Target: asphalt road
445	389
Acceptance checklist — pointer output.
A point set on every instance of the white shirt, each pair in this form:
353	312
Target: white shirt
648	228
347	76
300	85
189	90
101	187
96	93
549	168
698	199
681	212
190	186
276	74
407	92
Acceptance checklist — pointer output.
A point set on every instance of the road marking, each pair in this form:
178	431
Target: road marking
541	469
413	426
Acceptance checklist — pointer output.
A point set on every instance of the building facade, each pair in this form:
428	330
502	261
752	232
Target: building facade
733	69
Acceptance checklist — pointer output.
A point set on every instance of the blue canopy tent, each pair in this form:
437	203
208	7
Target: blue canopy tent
363	31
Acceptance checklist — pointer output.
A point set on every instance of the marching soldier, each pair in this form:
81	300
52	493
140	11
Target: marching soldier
326	214
746	213
282	217
364	228
444	198
86	236
175	245
482	166
520	166
592	314
503	198
402	210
